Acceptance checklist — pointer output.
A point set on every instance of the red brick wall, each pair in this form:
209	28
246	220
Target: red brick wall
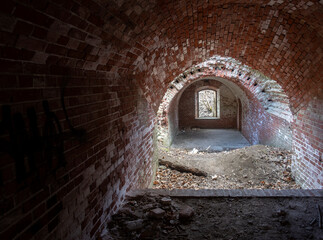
259	126
75	200
106	49
186	107
308	144
44	44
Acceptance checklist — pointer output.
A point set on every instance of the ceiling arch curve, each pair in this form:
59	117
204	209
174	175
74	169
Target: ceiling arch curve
281	39
267	91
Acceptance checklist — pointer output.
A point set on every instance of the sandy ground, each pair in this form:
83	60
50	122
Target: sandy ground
159	217
256	166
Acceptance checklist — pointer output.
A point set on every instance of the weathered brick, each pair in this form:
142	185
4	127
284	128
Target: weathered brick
111	59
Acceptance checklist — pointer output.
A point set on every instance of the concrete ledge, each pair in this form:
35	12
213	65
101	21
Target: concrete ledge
210	193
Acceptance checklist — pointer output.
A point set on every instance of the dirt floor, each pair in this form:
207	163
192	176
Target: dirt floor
256	166
158	217
210	139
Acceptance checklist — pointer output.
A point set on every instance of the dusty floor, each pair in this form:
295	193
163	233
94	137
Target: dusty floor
256	166
157	217
210	139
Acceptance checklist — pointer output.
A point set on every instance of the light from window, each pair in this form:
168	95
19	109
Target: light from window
208	104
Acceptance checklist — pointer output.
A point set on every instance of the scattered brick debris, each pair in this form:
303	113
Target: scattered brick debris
257	167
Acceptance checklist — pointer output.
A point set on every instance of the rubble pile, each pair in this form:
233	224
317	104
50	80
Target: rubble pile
150	217
259	167
167	178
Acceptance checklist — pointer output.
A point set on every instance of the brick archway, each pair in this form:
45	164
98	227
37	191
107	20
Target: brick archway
252	88
267	91
269	104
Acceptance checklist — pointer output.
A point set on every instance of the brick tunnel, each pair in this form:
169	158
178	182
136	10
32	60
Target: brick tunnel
82	82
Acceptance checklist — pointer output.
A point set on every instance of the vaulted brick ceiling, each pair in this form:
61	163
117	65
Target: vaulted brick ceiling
102	50
154	41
